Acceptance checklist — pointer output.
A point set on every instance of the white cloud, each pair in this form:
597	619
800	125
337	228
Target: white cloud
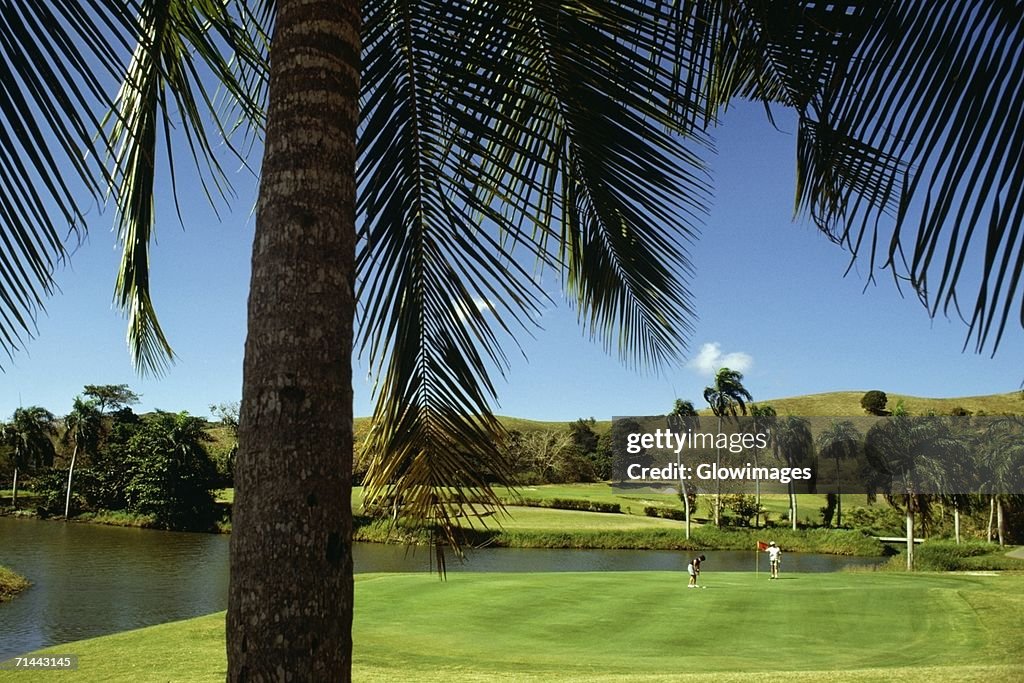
710	359
482	305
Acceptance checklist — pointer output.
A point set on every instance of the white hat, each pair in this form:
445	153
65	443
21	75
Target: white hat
771	542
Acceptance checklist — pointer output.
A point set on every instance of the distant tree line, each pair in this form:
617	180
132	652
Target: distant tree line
102	456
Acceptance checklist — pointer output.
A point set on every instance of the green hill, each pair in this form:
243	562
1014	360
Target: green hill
830	404
845	403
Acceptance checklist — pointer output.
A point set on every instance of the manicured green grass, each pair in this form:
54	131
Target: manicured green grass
631	626
549	519
633	499
26	498
11	583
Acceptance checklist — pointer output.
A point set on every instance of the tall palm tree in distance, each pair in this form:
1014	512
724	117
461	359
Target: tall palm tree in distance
484	138
914	454
793	441
1004	467
83	428
839	441
683	418
763	422
727	397
27	436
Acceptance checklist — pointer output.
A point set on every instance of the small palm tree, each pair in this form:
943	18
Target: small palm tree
764	420
840	441
913	454
83	428
727	397
793	440
28	437
1003	467
682	418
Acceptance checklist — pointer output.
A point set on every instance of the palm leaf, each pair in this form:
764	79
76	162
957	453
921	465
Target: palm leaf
53	59
491	148
164	82
930	115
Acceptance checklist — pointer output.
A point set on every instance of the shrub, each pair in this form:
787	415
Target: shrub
666	513
565	504
171	473
874	402
744	506
880	520
946	556
584	505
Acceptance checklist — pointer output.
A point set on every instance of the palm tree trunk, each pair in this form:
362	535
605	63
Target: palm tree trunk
718	483
682	494
956	521
991	515
71	471
14	490
792	505
910	534
290	597
839	498
757	487
1000	522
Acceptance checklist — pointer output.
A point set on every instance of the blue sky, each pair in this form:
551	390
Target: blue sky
770	295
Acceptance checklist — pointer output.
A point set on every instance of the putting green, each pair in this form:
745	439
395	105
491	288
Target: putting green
631	626
622	625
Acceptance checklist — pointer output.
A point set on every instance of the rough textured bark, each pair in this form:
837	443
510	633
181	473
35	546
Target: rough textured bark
290	600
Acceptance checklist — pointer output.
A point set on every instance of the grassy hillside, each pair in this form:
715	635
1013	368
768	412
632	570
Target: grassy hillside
362	425
845	403
835	403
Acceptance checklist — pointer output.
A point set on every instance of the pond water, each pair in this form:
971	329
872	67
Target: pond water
90	580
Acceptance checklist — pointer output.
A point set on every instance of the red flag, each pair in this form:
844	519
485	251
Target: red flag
761	545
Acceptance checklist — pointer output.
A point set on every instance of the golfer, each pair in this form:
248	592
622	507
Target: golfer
774	559
694	570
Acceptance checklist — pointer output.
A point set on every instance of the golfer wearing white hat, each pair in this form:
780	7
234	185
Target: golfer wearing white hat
774	559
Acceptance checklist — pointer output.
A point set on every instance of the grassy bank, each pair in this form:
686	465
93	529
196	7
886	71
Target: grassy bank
543	528
11	584
630	626
946	556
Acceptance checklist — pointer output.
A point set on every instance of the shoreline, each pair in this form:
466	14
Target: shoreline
824	541
12	584
842	542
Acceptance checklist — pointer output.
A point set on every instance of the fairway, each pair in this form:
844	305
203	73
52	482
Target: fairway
631	626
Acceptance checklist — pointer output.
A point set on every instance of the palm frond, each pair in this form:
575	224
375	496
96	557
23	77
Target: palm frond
931	115
55	61
164	81
490	141
54	57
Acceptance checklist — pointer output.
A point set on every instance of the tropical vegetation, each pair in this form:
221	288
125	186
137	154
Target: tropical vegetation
574	133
